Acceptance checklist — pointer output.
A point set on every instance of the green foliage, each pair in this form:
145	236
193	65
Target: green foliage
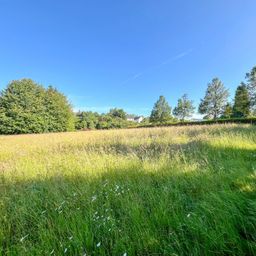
251	79
241	106
184	108
115	112
222	120
228	111
161	111
59	112
86	120
214	100
26	107
89	120
107	121
145	121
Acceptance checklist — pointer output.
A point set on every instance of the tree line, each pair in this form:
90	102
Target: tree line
215	103
115	118
28	107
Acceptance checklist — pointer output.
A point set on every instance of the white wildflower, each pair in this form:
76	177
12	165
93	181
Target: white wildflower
66	249
125	254
189	215
98	244
24	237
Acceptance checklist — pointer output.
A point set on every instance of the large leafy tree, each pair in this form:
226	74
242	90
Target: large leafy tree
214	100
22	108
184	108
241	106
27	107
251	79
161	111
59	113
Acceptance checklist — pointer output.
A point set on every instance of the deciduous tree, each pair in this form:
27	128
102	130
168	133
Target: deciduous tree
116	112
27	107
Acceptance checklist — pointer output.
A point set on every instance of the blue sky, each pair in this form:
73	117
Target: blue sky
112	53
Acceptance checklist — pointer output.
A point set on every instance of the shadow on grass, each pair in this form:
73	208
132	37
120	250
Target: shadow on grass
209	210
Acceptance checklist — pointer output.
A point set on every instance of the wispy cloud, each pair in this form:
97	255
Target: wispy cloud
177	57
165	62
132	78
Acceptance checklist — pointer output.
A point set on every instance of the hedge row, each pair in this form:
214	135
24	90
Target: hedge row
203	122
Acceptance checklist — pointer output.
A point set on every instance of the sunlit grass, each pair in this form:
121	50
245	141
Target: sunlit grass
158	191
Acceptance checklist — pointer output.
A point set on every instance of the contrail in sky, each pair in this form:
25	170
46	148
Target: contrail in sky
167	61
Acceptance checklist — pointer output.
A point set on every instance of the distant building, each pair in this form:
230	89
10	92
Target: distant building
138	119
132	118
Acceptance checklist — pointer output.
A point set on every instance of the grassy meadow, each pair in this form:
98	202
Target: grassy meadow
156	191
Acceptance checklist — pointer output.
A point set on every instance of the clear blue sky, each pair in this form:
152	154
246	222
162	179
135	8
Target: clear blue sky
113	53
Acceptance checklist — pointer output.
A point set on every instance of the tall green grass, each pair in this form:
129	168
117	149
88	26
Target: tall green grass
157	191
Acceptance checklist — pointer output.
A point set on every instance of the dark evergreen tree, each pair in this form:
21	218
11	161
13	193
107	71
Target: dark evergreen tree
251	79
241	106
